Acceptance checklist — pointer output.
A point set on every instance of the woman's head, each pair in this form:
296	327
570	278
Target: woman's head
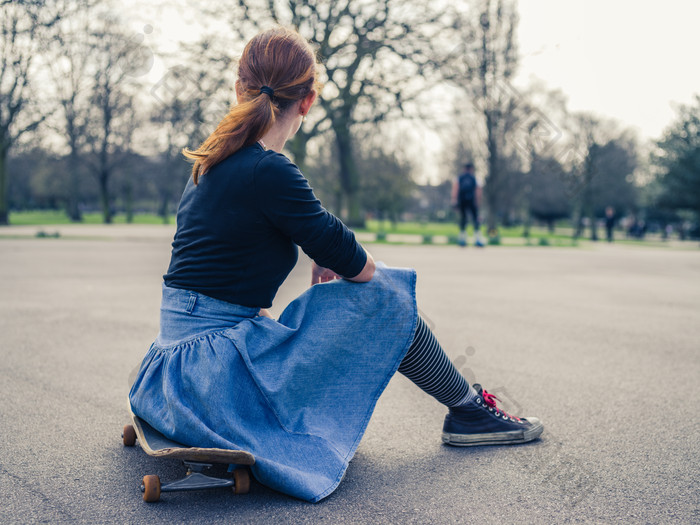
280	59
277	69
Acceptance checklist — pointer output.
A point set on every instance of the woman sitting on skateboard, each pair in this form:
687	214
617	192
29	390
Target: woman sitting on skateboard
298	391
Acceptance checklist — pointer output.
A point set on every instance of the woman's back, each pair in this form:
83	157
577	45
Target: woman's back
237	230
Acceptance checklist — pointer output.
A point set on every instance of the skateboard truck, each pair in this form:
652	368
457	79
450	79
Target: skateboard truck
196	480
197	460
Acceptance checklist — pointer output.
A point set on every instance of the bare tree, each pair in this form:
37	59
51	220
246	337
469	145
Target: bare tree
603	166
24	27
375	55
112	120
538	140
614	184
188	100
389	186
586	131
482	64
388	191
547	198
72	82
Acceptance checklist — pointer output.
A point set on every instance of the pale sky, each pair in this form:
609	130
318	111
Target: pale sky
624	59
618	58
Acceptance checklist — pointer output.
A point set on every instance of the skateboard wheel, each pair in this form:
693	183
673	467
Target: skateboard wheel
241	478
129	436
151	488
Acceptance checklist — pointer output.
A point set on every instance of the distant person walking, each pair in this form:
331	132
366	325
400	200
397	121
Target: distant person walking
609	222
466	196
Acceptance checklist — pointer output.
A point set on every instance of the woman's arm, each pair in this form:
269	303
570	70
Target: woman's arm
319	274
288	202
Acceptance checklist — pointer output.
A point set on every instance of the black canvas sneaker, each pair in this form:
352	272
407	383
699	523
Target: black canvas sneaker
481	422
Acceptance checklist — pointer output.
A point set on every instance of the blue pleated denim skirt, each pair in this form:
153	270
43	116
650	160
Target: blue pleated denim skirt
297	392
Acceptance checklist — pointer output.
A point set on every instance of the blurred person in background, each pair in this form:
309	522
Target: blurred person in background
466	197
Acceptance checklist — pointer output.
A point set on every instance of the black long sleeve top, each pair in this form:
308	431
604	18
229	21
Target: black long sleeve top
238	230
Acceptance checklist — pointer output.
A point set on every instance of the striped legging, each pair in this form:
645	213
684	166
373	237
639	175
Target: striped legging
427	365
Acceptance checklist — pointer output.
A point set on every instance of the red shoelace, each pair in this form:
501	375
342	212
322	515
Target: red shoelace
490	400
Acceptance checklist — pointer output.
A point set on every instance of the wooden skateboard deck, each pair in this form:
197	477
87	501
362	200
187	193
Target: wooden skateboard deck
157	445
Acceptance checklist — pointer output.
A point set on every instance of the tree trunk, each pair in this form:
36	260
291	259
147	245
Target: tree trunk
73	201
594	227
491	189
104	198
4	197
588	205
129	202
491	192
163	208
349	180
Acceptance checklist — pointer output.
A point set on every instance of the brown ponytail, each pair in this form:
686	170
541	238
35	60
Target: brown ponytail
279	59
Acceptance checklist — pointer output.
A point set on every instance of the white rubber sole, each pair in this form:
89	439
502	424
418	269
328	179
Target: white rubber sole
495	438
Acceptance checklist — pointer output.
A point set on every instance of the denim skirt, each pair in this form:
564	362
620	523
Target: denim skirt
297	392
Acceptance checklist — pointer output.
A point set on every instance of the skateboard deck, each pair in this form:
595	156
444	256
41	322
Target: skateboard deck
197	459
157	445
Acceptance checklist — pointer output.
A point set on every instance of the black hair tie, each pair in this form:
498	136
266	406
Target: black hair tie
268	91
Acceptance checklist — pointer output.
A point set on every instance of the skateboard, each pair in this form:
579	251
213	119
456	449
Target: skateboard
197	460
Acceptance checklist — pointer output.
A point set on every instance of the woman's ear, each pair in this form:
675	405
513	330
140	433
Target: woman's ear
307	102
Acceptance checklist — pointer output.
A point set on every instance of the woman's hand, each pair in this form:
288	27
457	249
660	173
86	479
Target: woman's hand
265	313
319	274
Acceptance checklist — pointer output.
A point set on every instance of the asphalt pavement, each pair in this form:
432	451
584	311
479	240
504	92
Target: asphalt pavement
602	344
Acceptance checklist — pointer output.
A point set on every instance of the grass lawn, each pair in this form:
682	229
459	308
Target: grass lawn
450	229
49	217
539	236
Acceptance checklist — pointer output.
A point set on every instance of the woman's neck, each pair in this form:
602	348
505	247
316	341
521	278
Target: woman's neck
274	140
284	128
